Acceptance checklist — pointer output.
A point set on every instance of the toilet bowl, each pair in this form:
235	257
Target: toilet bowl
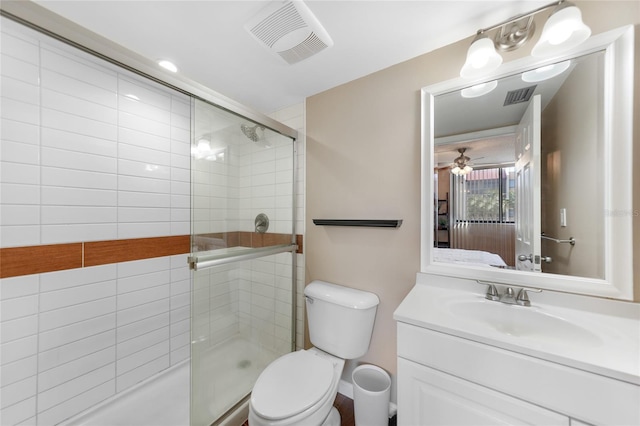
299	388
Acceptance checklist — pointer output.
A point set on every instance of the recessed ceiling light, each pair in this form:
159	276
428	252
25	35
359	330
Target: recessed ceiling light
168	65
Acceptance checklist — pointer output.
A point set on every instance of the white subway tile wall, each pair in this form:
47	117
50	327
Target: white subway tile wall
294	117
73	338
89	151
92	152
81	160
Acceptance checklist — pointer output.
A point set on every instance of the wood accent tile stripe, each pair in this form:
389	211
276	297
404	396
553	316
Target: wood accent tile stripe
246	239
17	261
299	241
104	252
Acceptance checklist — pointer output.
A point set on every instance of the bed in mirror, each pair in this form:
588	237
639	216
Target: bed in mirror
526	173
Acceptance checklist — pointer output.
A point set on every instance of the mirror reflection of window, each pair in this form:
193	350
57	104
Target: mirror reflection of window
482	213
485	195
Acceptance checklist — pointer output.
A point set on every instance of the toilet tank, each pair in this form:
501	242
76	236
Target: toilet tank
340	319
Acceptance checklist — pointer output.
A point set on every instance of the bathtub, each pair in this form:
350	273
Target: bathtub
164	400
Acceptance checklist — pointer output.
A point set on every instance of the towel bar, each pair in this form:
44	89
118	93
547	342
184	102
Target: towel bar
571	240
372	223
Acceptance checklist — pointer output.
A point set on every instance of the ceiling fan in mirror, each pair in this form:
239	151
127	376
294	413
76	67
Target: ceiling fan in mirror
462	164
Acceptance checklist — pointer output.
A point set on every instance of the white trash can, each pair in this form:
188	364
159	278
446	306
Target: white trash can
371	393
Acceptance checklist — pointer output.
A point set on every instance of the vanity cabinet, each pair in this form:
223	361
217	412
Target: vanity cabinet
444	379
431	397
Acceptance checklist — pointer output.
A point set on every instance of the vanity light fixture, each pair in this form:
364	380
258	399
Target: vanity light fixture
563	30
479	89
482	57
545	73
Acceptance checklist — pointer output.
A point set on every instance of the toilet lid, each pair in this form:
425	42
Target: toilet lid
291	384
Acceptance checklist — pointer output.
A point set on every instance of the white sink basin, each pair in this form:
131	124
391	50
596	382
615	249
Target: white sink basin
593	334
523	322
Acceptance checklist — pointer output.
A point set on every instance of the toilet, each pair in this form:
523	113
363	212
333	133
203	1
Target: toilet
299	388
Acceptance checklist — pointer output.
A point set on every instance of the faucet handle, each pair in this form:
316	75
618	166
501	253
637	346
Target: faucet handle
523	297
492	292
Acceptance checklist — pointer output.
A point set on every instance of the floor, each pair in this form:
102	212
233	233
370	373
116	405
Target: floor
345	407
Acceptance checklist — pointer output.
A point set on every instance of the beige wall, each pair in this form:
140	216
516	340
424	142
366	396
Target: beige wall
571	175
363	161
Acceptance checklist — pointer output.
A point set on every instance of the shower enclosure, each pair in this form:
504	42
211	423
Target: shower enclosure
118	175
242	256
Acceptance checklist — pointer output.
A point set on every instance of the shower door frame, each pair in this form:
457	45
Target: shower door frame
206	261
221	259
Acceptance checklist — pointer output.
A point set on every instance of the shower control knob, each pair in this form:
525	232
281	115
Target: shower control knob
261	223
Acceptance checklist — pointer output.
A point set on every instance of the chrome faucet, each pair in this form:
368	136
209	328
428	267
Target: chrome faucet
509	296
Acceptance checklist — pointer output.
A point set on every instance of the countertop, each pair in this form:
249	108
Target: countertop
598	335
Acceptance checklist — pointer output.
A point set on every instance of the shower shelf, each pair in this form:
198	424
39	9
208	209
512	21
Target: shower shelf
371	223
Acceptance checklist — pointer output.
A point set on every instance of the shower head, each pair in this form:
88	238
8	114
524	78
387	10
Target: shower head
252	131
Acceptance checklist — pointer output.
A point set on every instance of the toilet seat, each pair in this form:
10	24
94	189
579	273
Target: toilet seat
291	384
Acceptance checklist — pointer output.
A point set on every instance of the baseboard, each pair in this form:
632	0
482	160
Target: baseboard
345	388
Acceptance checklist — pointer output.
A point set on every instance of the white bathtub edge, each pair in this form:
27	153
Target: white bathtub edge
93	411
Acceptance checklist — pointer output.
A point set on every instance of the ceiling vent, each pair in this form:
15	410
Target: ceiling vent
520	95
290	29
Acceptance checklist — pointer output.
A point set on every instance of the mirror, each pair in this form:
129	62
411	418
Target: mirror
523	174
477	210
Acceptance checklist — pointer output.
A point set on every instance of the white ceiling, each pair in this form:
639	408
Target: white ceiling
206	39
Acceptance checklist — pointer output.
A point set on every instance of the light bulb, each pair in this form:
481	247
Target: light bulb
559	34
482	58
479	58
563	31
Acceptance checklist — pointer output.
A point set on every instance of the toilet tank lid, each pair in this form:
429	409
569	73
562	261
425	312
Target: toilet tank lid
340	295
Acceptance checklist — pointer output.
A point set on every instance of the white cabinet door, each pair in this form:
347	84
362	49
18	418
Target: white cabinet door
430	397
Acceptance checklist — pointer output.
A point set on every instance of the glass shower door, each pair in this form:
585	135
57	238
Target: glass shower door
243	257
